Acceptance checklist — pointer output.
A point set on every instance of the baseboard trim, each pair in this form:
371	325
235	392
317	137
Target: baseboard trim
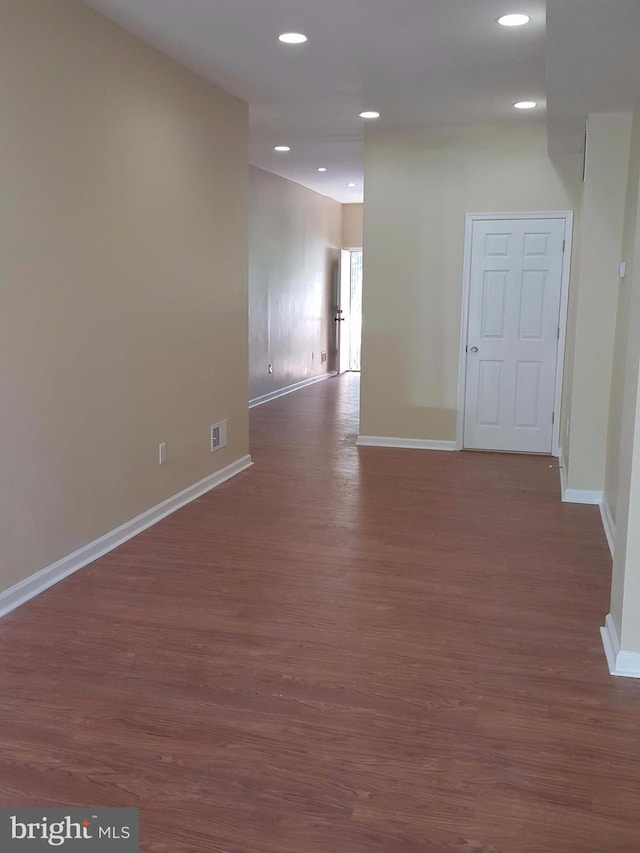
608	524
582	496
623	664
28	588
289	389
409	443
591	497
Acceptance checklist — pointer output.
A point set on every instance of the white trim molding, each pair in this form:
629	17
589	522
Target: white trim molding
408	443
282	392
470	218
608	524
582	496
624	664
53	574
576	496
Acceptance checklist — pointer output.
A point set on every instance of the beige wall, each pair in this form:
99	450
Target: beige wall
419	185
352	218
624	289
294	243
623	459
596	287
123	277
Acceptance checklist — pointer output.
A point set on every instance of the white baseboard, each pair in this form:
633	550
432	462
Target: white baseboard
38	582
576	496
624	664
608	524
282	392
409	443
582	496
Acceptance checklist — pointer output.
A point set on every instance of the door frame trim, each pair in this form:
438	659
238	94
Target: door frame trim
470	219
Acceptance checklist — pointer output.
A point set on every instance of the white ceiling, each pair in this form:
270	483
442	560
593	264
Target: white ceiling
419	62
593	64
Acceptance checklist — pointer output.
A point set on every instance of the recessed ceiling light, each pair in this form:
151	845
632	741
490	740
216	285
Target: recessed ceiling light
322	168
514	20
293	38
525	105
369	114
281	148
352	185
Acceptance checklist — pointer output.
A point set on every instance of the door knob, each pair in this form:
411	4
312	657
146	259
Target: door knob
474	349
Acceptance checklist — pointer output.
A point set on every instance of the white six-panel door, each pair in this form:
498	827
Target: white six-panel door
513	330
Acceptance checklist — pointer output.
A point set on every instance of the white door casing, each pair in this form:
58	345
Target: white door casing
513	330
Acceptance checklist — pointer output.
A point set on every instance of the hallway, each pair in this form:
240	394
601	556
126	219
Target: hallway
342	650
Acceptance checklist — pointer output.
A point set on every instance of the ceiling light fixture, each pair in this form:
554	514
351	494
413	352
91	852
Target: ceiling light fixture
293	38
281	148
322	168
352	185
514	20
525	105
369	114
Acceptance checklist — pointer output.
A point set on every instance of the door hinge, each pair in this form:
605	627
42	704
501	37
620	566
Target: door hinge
558	335
564	246
553	418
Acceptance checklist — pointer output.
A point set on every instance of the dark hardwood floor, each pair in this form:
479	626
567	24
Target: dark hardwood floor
338	651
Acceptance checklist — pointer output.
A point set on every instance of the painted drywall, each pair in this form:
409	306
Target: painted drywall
599	251
294	247
623	459
623	289
123	263
419	186
352	220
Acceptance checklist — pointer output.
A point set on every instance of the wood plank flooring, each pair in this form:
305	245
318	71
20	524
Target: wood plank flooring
340	651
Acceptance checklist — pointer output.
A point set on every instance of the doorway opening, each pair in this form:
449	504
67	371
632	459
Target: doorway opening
355	307
349	311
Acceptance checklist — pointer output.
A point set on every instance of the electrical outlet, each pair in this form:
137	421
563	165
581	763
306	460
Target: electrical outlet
270	368
162	453
323	358
218	435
